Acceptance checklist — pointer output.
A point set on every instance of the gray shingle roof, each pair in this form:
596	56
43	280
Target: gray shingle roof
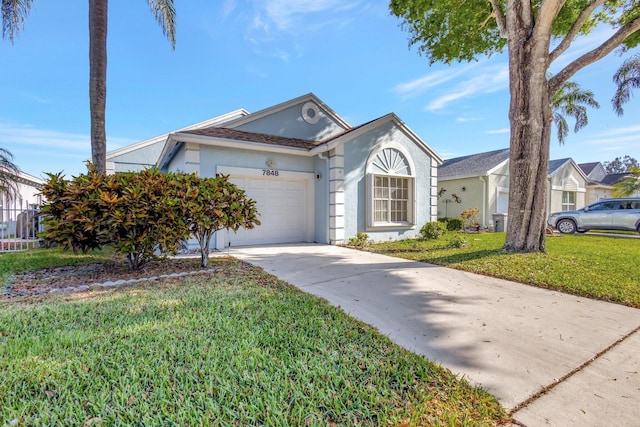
613	178
555	164
587	168
240	135
475	164
480	164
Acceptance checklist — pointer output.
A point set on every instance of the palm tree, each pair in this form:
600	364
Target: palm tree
626	78
8	175
14	15
629	185
571	101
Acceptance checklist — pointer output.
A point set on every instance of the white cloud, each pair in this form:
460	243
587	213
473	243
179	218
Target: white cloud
624	139
286	14
36	98
489	79
228	7
498	131
422	84
271	22
29	135
621	131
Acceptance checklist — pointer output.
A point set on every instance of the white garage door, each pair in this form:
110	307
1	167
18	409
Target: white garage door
285	204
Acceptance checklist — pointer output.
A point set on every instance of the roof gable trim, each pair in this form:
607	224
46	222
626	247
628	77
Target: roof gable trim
287	104
361	130
206	123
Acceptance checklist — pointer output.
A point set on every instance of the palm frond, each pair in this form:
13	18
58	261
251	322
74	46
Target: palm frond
629	185
8	174
14	15
571	101
561	126
626	78
165	13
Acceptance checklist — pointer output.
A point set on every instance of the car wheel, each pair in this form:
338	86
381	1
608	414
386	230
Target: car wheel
566	226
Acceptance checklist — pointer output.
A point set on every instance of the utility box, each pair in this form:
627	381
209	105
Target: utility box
499	222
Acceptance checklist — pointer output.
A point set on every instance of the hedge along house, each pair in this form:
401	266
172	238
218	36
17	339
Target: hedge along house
482	181
314	177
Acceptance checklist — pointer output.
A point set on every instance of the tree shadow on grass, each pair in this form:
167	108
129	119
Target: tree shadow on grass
446	260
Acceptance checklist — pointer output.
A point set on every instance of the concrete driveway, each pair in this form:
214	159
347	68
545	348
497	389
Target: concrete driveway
514	340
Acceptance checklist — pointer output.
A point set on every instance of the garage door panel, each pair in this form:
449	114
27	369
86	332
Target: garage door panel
282	204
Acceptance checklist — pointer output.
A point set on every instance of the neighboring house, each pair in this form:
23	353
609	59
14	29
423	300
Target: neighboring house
482	181
600	184
314	177
13	211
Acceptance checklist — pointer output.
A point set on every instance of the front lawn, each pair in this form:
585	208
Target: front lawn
37	259
593	266
237	347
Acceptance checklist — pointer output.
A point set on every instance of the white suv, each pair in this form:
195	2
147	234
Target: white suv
612	214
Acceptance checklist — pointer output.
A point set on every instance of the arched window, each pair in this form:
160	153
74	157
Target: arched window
390	188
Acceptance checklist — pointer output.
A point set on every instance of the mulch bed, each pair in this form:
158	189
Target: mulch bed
42	281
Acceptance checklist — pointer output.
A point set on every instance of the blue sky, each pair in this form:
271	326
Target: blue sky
253	54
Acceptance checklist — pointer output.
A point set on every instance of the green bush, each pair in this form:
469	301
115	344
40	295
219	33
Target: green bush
74	213
455	224
443	219
146	215
457	242
433	230
142	214
214	204
361	240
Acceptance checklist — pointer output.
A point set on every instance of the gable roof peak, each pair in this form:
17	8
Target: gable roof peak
309	97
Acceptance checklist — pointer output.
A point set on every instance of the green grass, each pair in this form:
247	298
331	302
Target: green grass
237	347
37	259
592	266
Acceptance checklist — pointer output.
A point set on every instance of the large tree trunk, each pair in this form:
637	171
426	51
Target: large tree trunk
530	118
98	80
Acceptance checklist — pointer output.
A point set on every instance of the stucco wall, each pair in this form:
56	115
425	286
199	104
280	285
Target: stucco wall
479	193
556	201
356	153
566	171
289	123
566	178
137	160
211	157
177	161
471	197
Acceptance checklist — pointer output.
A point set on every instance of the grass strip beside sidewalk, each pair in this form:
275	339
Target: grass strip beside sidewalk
592	266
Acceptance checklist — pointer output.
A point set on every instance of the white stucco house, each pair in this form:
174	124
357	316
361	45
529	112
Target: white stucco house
315	177
482	181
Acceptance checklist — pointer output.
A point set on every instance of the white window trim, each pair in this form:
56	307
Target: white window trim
575	200
371	224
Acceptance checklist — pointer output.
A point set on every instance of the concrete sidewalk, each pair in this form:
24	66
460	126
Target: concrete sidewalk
514	340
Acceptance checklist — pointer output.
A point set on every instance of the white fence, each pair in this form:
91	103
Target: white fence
19	226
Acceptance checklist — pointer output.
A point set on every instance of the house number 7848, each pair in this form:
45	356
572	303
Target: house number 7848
270	172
